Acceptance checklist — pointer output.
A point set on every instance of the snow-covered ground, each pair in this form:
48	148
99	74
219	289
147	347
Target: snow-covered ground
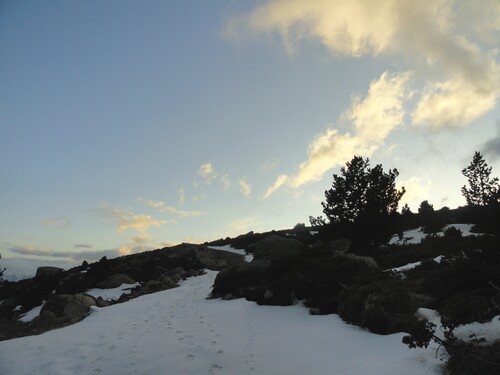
113	293
415	236
409	266
178	331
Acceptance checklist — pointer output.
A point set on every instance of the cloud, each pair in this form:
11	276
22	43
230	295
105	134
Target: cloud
34	252
128	221
271	164
59	221
430	35
245	188
279	182
372	119
492	147
451	103
159	205
226	182
182	196
82	246
207	172
417	190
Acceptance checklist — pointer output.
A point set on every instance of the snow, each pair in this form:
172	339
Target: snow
490	331
32	314
409	266
179	331
415	236
113	293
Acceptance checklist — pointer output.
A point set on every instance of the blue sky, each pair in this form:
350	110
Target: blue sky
127	126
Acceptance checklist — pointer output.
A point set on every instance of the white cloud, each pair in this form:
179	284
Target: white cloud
373	118
245	188
207	172
436	36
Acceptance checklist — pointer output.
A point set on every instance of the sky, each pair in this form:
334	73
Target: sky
127	126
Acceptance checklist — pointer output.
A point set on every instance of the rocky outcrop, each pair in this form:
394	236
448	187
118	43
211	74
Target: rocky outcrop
277	248
67	308
48	271
115	281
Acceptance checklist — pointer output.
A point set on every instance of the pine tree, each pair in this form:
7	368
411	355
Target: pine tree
363	200
482	190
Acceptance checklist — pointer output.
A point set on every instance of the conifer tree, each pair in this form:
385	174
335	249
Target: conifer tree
482	190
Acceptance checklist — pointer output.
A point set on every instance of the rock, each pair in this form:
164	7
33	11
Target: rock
238	279
48	271
277	248
340	246
70	308
115	281
369	261
101	302
209	263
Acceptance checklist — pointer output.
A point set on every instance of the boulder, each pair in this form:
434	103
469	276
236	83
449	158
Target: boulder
340	246
48	271
240	279
277	248
369	261
68	307
115	281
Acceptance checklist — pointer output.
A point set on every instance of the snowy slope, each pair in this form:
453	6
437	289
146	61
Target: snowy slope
178	331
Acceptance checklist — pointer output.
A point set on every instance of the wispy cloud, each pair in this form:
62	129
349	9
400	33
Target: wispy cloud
59	221
372	119
32	252
226	182
435	36
82	246
207	172
245	188
160	206
128	221
182	196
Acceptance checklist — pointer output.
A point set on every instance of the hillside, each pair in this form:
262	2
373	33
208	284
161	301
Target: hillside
156	315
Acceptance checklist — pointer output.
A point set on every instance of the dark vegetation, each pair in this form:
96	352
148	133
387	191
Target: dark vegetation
340	264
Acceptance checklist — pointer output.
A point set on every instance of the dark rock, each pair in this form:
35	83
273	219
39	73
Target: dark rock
115	281
340	246
277	248
68	307
48	271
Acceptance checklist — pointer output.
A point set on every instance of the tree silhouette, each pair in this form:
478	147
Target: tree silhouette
363	201
482	190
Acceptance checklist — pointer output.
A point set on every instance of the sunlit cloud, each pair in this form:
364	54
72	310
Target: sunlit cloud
160	206
436	37
245	188
128	221
372	119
